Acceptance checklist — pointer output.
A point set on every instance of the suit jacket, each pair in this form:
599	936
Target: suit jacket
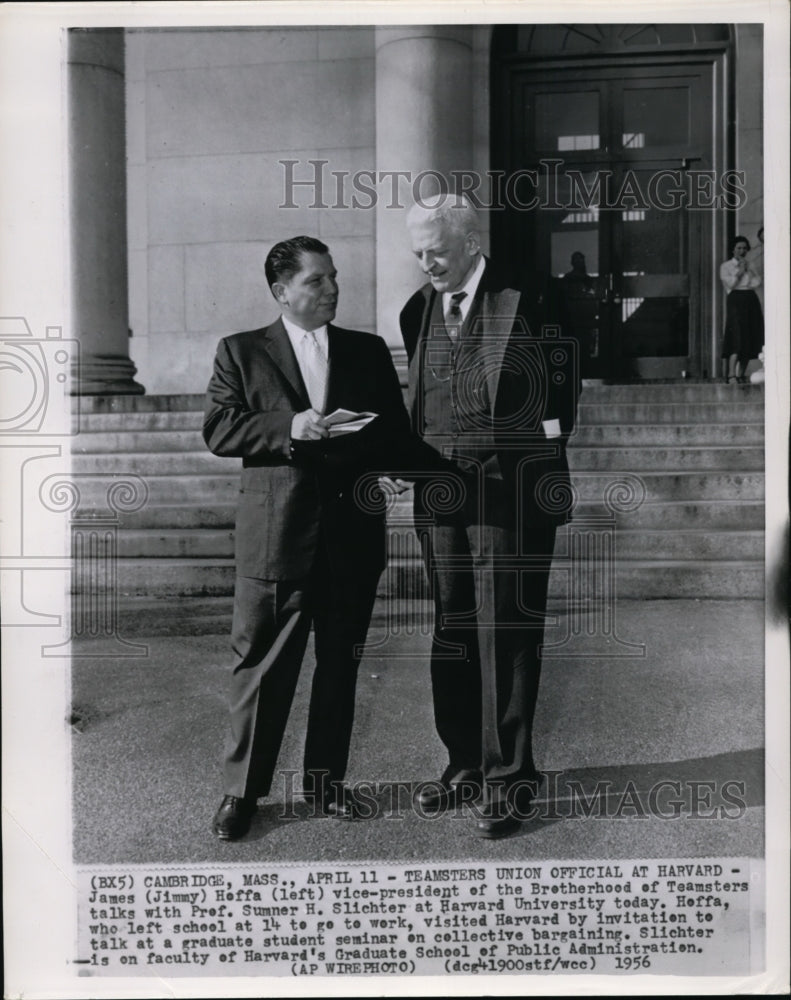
531	376
292	496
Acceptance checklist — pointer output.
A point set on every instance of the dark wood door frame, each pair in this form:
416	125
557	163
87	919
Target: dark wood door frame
707	229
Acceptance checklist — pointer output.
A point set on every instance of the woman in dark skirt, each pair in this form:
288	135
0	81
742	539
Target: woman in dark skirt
744	319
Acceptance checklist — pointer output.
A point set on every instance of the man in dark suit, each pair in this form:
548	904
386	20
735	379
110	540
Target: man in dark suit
487	391
309	546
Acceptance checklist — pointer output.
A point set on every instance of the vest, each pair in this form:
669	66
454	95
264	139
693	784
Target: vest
456	417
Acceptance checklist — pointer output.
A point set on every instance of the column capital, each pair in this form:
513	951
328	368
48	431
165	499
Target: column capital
102	47
386	35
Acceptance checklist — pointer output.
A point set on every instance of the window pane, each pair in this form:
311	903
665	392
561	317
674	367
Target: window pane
567	121
655	327
655	117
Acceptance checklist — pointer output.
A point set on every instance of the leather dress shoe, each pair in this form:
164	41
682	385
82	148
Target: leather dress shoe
232	820
340	804
437	796
496	819
336	802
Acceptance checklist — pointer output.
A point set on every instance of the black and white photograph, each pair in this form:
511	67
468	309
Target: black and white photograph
394	553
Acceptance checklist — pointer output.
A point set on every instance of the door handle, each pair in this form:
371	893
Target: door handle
610	295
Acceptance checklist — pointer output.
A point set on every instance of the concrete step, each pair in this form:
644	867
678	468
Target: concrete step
654	402
205	489
680	515
667	458
678	579
692	454
673	515
592	391
93	424
667	435
592	413
405	578
186	440
153	464
634	579
139	404
591	486
689	545
584	459
588	415
186	515
189	440
671	392
184	543
176	543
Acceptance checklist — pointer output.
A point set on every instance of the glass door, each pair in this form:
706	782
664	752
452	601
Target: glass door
651	289
605	156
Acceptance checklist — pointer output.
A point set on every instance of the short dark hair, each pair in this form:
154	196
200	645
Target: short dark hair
283	260
739	239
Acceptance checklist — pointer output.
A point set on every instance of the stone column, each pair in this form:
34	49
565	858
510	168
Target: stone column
424	121
97	178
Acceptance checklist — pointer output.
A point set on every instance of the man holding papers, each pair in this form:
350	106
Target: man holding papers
308	547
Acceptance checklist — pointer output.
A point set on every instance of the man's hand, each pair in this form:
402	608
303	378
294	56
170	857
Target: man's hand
308	426
393	487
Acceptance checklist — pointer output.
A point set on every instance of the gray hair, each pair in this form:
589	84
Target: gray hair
453	210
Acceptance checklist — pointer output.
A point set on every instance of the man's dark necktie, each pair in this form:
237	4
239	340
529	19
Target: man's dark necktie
453	319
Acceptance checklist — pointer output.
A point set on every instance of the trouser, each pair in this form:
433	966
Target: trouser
269	634
485	657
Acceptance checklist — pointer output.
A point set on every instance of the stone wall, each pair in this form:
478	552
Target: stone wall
210	113
749	125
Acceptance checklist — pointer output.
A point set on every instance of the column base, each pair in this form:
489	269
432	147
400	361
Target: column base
105	375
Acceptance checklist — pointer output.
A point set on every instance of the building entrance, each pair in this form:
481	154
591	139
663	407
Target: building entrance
614	194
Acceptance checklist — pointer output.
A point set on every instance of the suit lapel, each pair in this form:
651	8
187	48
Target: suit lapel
498	312
490	322
279	348
340	367
416	361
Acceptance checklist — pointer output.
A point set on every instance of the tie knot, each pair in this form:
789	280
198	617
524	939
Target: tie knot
454	312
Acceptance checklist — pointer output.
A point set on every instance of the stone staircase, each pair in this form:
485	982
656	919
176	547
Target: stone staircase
669	482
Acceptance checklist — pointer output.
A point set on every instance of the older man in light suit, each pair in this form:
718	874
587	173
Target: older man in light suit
309	546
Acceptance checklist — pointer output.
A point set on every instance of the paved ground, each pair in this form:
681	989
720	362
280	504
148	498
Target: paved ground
148	731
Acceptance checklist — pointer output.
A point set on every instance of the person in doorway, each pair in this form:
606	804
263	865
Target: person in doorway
755	259
744	320
307	549
579	306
